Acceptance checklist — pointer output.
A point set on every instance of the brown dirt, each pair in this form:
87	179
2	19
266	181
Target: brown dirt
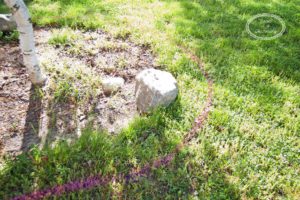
30	115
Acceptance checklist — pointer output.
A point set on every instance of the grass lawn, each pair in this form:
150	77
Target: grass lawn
249	147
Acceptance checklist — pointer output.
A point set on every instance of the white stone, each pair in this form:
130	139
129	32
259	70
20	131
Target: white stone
7	22
154	88
112	84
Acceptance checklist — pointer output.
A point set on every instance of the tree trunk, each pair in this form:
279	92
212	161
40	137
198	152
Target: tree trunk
27	45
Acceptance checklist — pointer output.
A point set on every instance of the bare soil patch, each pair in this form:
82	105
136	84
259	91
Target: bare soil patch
72	97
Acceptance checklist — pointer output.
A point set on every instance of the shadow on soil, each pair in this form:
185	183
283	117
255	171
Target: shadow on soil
32	122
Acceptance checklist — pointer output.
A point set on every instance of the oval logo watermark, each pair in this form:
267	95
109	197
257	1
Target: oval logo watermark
265	26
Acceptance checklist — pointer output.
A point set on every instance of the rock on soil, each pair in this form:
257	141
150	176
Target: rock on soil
112	84
155	88
7	22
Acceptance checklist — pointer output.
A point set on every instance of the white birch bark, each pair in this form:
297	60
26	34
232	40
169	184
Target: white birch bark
27	44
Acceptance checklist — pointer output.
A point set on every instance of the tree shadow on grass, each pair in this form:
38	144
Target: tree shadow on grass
72	13
253	70
260	72
237	62
217	31
3	9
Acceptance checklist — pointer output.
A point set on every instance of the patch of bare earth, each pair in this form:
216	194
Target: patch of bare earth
72	97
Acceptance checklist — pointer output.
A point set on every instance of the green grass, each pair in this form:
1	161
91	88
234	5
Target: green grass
62	37
249	149
9	36
65	92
